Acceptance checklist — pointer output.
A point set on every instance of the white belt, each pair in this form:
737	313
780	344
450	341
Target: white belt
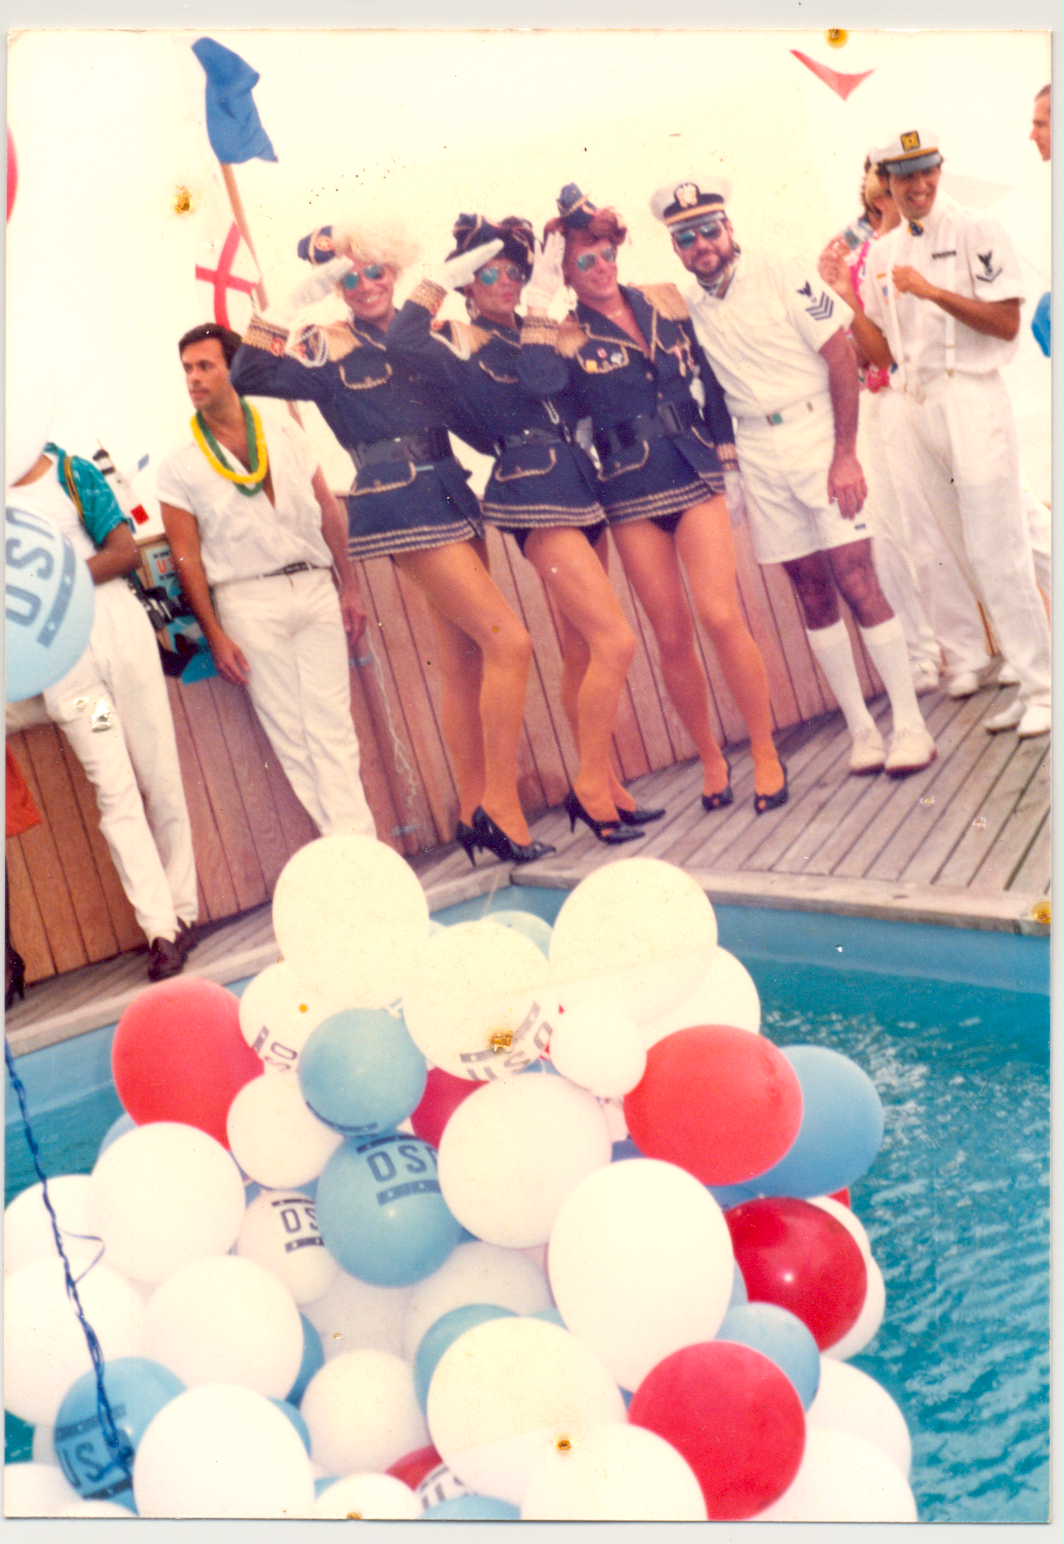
790	413
274	573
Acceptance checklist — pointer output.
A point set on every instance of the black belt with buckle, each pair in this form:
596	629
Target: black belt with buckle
669	419
533	436
422	445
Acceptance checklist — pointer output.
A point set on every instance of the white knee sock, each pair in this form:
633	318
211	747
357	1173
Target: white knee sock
834	655
886	644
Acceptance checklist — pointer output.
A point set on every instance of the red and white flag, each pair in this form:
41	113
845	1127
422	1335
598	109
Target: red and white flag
226	272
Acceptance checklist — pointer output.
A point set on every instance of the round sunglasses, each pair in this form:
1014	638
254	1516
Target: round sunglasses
710	231
588	260
490	274
352	280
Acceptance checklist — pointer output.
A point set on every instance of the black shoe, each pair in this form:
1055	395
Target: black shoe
639	816
763	802
466	838
165	958
721	800
613	832
187	936
494	839
14	977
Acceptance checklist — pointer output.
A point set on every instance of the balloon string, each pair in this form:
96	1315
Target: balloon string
116	1440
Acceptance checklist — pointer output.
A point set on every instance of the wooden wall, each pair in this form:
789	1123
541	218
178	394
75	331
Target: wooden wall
67	906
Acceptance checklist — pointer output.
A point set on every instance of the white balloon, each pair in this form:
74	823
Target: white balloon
374	1496
222	1451
509	1157
226	1320
638	932
350	915
641	1264
362	1412
45	1349
278	1016
274	1135
849	1400
440	1484
505	1393
280	1233
164	1194
849	1219
601	1052
615	1474
474	1273
724	994
28	1232
527	923
866	1326
36	1490
843	1479
475	980
355	1315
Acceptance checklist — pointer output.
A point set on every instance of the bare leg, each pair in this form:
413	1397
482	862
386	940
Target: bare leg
577	583
707	549
459	588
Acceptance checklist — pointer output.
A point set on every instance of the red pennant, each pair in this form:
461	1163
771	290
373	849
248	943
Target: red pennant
841	84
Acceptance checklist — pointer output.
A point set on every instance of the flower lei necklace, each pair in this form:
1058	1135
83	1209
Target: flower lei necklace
248	483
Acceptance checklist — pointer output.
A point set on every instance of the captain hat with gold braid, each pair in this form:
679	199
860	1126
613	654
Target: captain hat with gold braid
912	152
678	204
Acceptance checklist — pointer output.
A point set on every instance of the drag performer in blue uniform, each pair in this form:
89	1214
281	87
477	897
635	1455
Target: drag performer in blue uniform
542	489
630	359
410	500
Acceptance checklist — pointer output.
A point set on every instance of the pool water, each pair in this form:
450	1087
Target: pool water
956	1204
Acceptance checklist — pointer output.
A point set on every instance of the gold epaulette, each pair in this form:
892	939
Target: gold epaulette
666	300
341	340
462	338
539	329
266	335
429	295
571	337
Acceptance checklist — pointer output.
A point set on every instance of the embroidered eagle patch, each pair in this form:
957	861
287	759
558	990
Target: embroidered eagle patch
989	273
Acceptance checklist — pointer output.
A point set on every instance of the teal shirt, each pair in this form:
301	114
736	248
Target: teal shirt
100	510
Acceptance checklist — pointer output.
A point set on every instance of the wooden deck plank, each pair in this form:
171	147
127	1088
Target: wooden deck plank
1035	873
218	701
46	774
29	934
190	705
997	838
763	623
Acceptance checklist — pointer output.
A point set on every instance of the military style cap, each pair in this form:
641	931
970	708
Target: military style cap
575	208
679	203
517	237
912	152
318	247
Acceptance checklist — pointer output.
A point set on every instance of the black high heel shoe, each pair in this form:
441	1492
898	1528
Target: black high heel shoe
494	839
466	838
639	816
613	832
763	802
721	800
14	978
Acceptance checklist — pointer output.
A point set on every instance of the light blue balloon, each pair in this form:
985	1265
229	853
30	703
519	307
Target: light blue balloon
313	1361
623	1149
841	1130
782	1337
727	1196
296	1419
739	1294
473	1508
443	1333
361	1073
49	603
116	1129
527	924
549	1316
381	1212
137	1389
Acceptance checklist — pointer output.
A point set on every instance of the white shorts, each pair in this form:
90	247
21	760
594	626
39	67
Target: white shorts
784	469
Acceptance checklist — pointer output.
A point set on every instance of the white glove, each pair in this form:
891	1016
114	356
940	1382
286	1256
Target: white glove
321	282
546	278
458	271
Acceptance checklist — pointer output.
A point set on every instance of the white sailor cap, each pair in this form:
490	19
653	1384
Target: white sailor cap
914	151
681	203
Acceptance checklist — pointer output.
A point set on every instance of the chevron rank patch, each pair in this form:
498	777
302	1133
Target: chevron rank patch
821	309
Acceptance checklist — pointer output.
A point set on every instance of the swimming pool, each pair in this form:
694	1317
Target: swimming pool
952	1025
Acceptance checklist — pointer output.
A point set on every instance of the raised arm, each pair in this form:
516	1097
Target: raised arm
541	369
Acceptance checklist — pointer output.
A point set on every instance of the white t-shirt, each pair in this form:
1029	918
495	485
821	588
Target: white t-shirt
764	336
960	250
242	537
48	497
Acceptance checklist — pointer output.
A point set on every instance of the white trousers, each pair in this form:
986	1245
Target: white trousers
960	463
290	629
892	547
130	757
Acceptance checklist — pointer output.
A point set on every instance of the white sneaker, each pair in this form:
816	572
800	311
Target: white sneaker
1037	719
1008	718
964	684
911	750
868	753
925	677
1006	676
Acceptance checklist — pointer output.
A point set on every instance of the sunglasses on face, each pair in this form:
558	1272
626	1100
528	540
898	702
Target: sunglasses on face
490	274
710	231
588	260
352	280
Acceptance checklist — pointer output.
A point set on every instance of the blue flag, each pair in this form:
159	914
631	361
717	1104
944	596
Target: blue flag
233	125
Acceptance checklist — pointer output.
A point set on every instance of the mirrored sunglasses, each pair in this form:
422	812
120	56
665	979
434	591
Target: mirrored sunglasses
490	274
588	260
686	238
352	280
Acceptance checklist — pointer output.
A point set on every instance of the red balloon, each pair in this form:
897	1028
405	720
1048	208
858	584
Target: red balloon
735	1417
413	1467
178	1054
722	1103
443	1094
12	173
842	1196
798	1256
